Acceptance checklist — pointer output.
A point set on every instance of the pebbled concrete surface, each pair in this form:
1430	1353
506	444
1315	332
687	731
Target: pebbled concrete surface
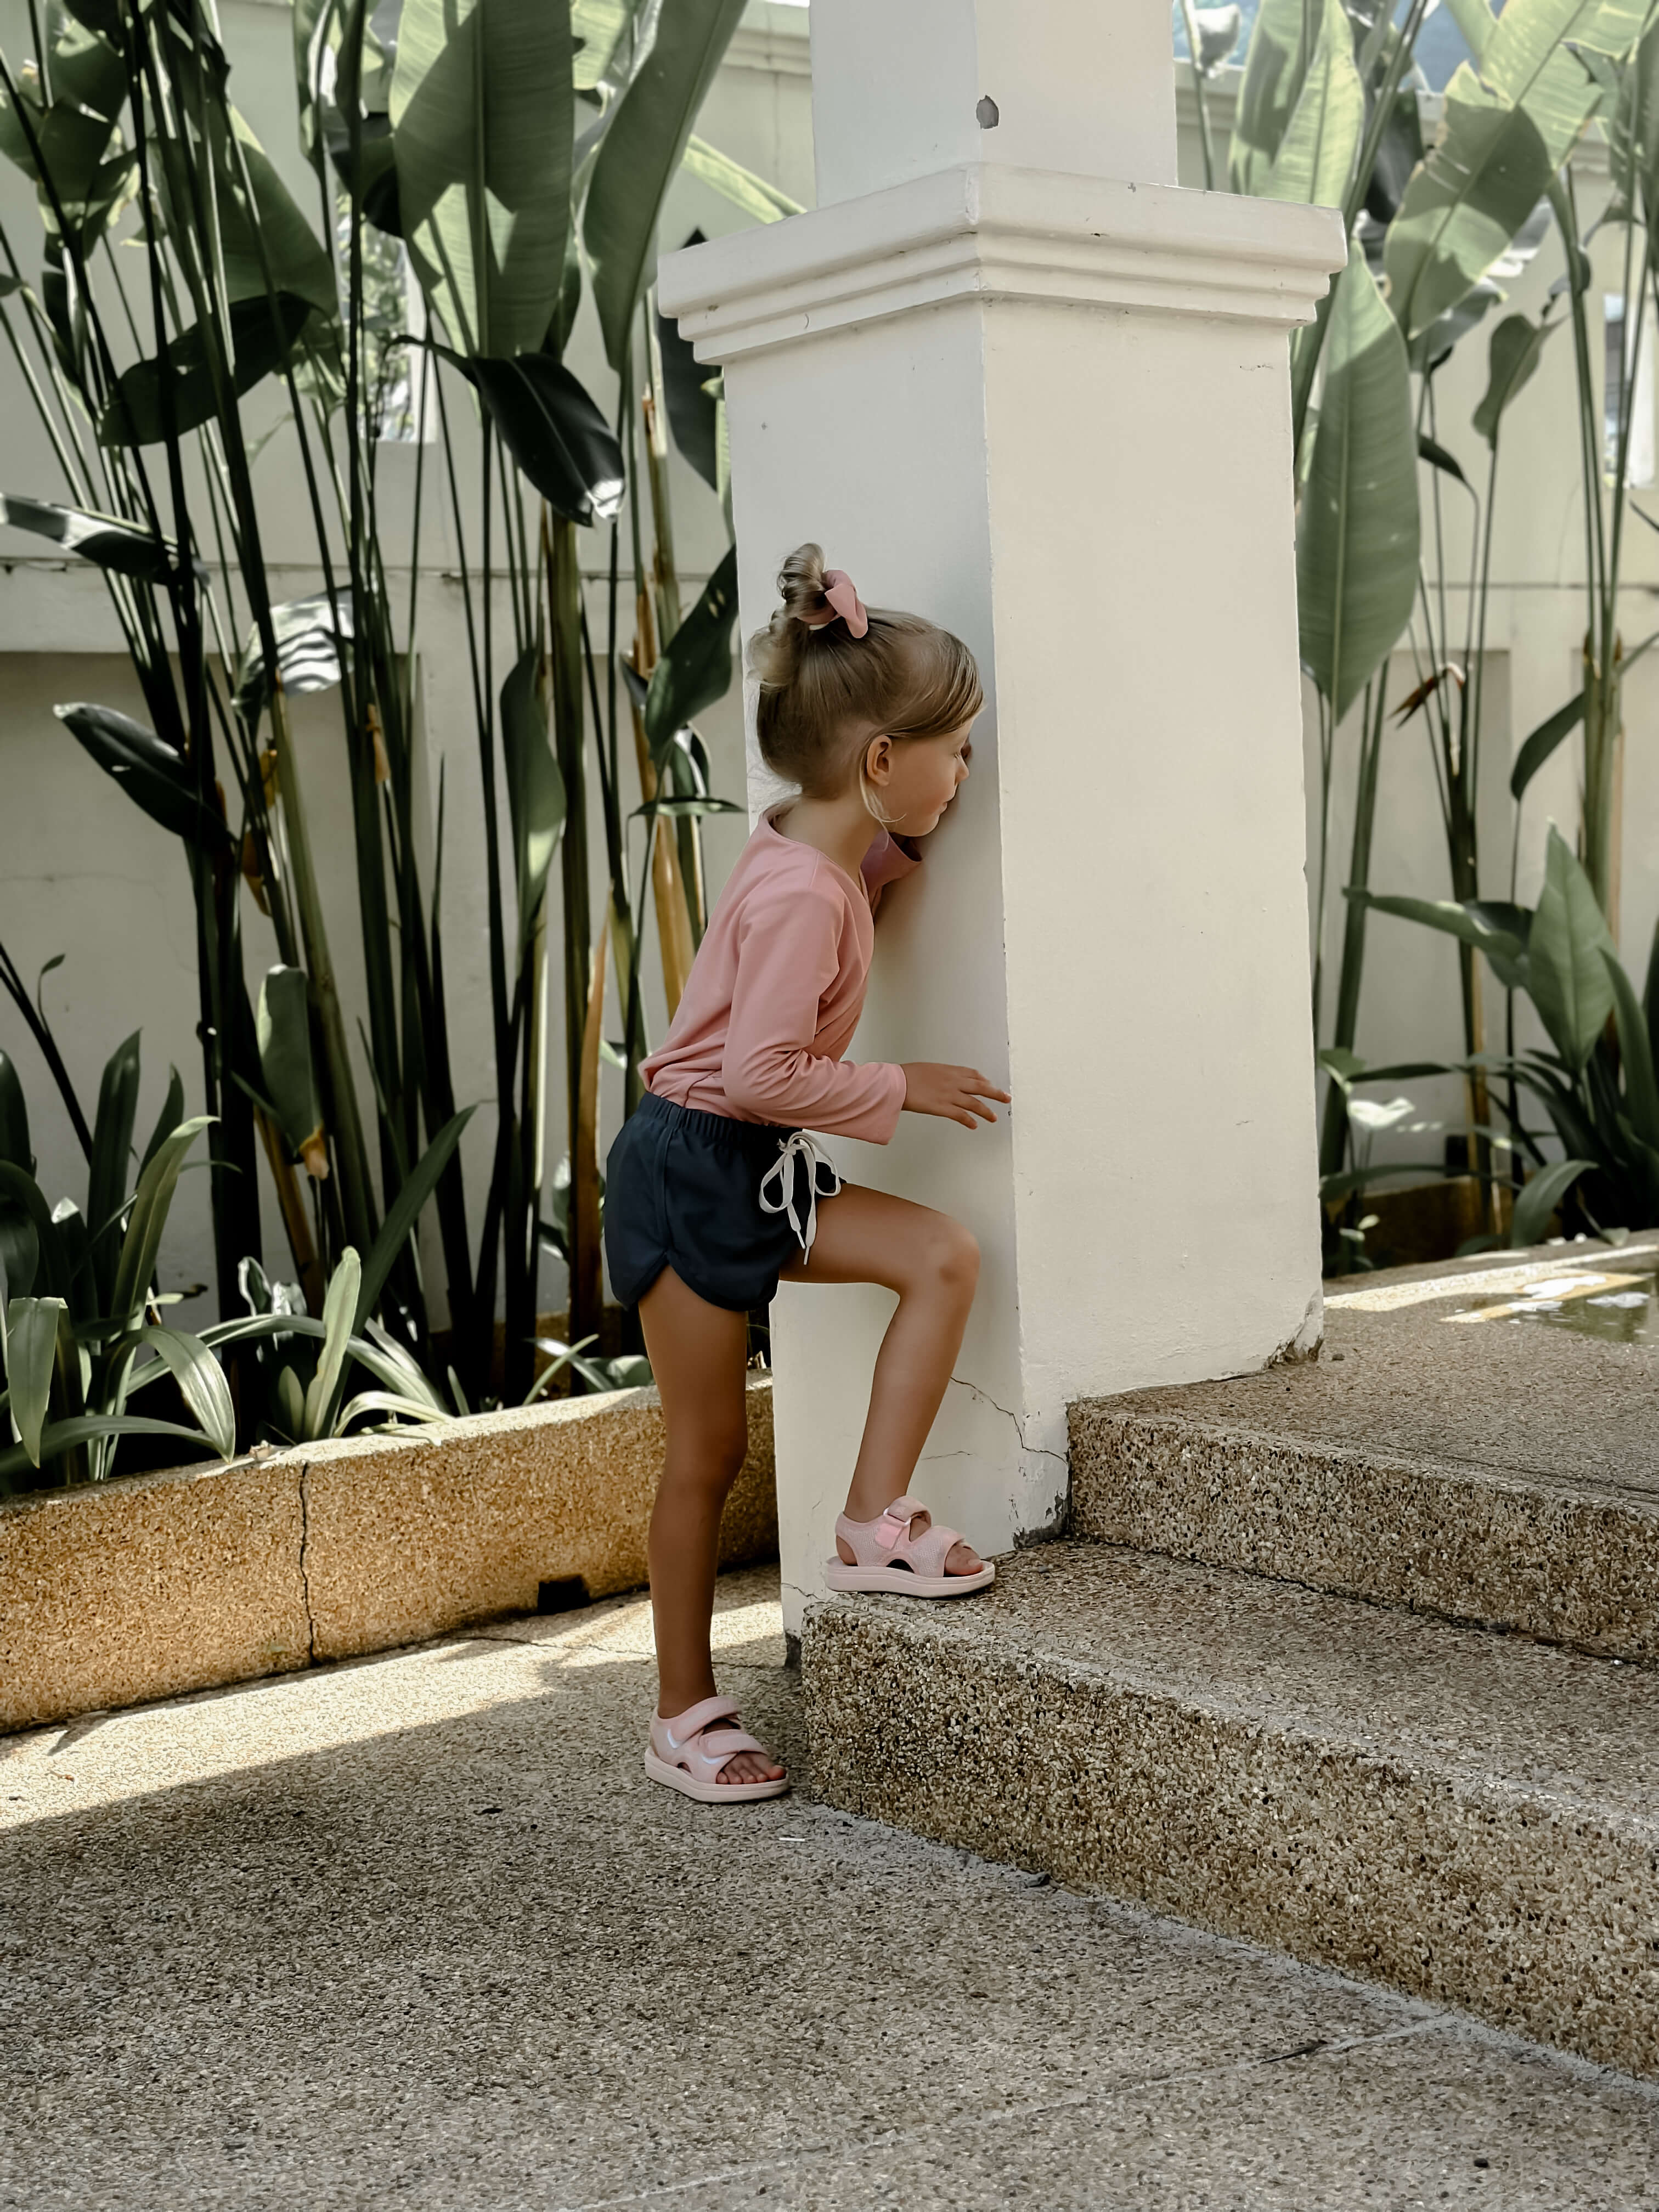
1501	1472
415	1930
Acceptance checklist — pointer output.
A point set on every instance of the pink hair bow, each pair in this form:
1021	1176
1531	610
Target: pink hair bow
844	601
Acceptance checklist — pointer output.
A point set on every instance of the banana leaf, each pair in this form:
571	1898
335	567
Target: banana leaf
1473	923
695	668
417	1185
693	412
759	201
148	769
104	539
1636	1053
1507	131
553	430
14	1118
1357	536
263	338
643	144
481	130
311	635
1314	160
1274	72
1567	975
535	789
1543	742
282	1030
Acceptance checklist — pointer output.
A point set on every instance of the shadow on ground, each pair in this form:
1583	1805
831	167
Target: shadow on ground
418	1930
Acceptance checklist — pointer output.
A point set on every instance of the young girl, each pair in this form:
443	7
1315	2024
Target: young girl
714	1189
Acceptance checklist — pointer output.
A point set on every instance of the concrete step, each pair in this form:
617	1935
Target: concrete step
1471	1819
1465	1446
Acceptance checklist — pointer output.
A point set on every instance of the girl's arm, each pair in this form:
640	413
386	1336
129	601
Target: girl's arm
789	957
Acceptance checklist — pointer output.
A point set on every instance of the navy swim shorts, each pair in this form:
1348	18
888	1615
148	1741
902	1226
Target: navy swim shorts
683	1190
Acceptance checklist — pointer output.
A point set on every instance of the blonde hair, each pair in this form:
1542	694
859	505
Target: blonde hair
824	694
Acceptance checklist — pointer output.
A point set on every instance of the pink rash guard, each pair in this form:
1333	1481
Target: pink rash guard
775	993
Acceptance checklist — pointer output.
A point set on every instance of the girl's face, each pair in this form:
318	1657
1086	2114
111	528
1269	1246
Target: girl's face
915	779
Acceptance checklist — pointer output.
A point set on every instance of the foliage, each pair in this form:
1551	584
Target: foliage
517	156
81	1331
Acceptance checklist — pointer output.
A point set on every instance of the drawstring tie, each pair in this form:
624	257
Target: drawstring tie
798	1145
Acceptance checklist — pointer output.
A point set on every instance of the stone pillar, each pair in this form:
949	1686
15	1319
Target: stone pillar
1013	378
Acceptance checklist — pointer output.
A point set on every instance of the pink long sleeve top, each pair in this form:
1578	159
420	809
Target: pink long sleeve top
775	993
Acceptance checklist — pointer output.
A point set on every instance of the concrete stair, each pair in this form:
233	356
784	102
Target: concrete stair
1336	1659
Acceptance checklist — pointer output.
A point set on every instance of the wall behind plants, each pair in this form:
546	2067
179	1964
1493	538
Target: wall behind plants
1409	1008
83	873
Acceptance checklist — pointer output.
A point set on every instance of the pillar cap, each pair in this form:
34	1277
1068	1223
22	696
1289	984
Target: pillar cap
995	232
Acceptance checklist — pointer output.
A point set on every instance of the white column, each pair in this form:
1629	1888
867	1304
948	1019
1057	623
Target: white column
1050	409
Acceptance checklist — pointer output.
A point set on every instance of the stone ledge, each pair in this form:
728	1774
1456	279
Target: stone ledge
152	1585
1468	1818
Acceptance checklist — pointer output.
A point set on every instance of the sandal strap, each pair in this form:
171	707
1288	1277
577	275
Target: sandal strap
893	1536
683	1728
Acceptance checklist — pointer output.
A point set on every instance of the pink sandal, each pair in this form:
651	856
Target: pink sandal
688	1752
902	1550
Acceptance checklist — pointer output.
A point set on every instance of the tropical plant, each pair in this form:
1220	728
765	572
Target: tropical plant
81	1331
1329	112
518	155
1596	1083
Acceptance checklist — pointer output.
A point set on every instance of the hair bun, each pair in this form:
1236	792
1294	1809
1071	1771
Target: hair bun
800	584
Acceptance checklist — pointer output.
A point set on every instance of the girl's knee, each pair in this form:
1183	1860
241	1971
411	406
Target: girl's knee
710	1459
948	1259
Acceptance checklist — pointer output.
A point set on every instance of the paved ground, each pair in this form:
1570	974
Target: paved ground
416	1931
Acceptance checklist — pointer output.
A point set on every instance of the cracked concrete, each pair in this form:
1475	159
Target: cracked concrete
415	1928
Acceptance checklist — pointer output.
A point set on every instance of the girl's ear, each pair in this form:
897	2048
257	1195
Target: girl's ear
879	760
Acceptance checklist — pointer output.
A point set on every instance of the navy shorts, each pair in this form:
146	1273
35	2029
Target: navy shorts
683	1190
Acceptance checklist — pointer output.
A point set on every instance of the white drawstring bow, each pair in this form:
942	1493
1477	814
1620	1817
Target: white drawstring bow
798	1145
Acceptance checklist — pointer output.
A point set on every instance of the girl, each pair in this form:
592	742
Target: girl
715	1191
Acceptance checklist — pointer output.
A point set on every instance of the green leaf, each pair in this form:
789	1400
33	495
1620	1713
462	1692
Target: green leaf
262	338
171	1114
51	1272
153	776
1506	131
14	1118
201	1380
1438	458
553	431
1636	1051
1504	948
112	1149
693	411
388	1401
535	788
58	1437
1357	536
481	129
1569	977
1314	160
1539	1200
1517	346
143	1241
339	1304
312	637
282	1030
644	142
695	668
1543	742
104	539
401	1217
31	1343
761	202
300	267
1274	72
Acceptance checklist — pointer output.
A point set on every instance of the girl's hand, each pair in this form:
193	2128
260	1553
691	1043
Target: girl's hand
954	1094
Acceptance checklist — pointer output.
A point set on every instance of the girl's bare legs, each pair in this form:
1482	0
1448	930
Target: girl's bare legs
698	1353
933	1262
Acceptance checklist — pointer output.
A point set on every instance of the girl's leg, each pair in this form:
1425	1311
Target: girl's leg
698	1353
933	1262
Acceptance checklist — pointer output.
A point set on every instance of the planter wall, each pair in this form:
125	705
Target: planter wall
156	1584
